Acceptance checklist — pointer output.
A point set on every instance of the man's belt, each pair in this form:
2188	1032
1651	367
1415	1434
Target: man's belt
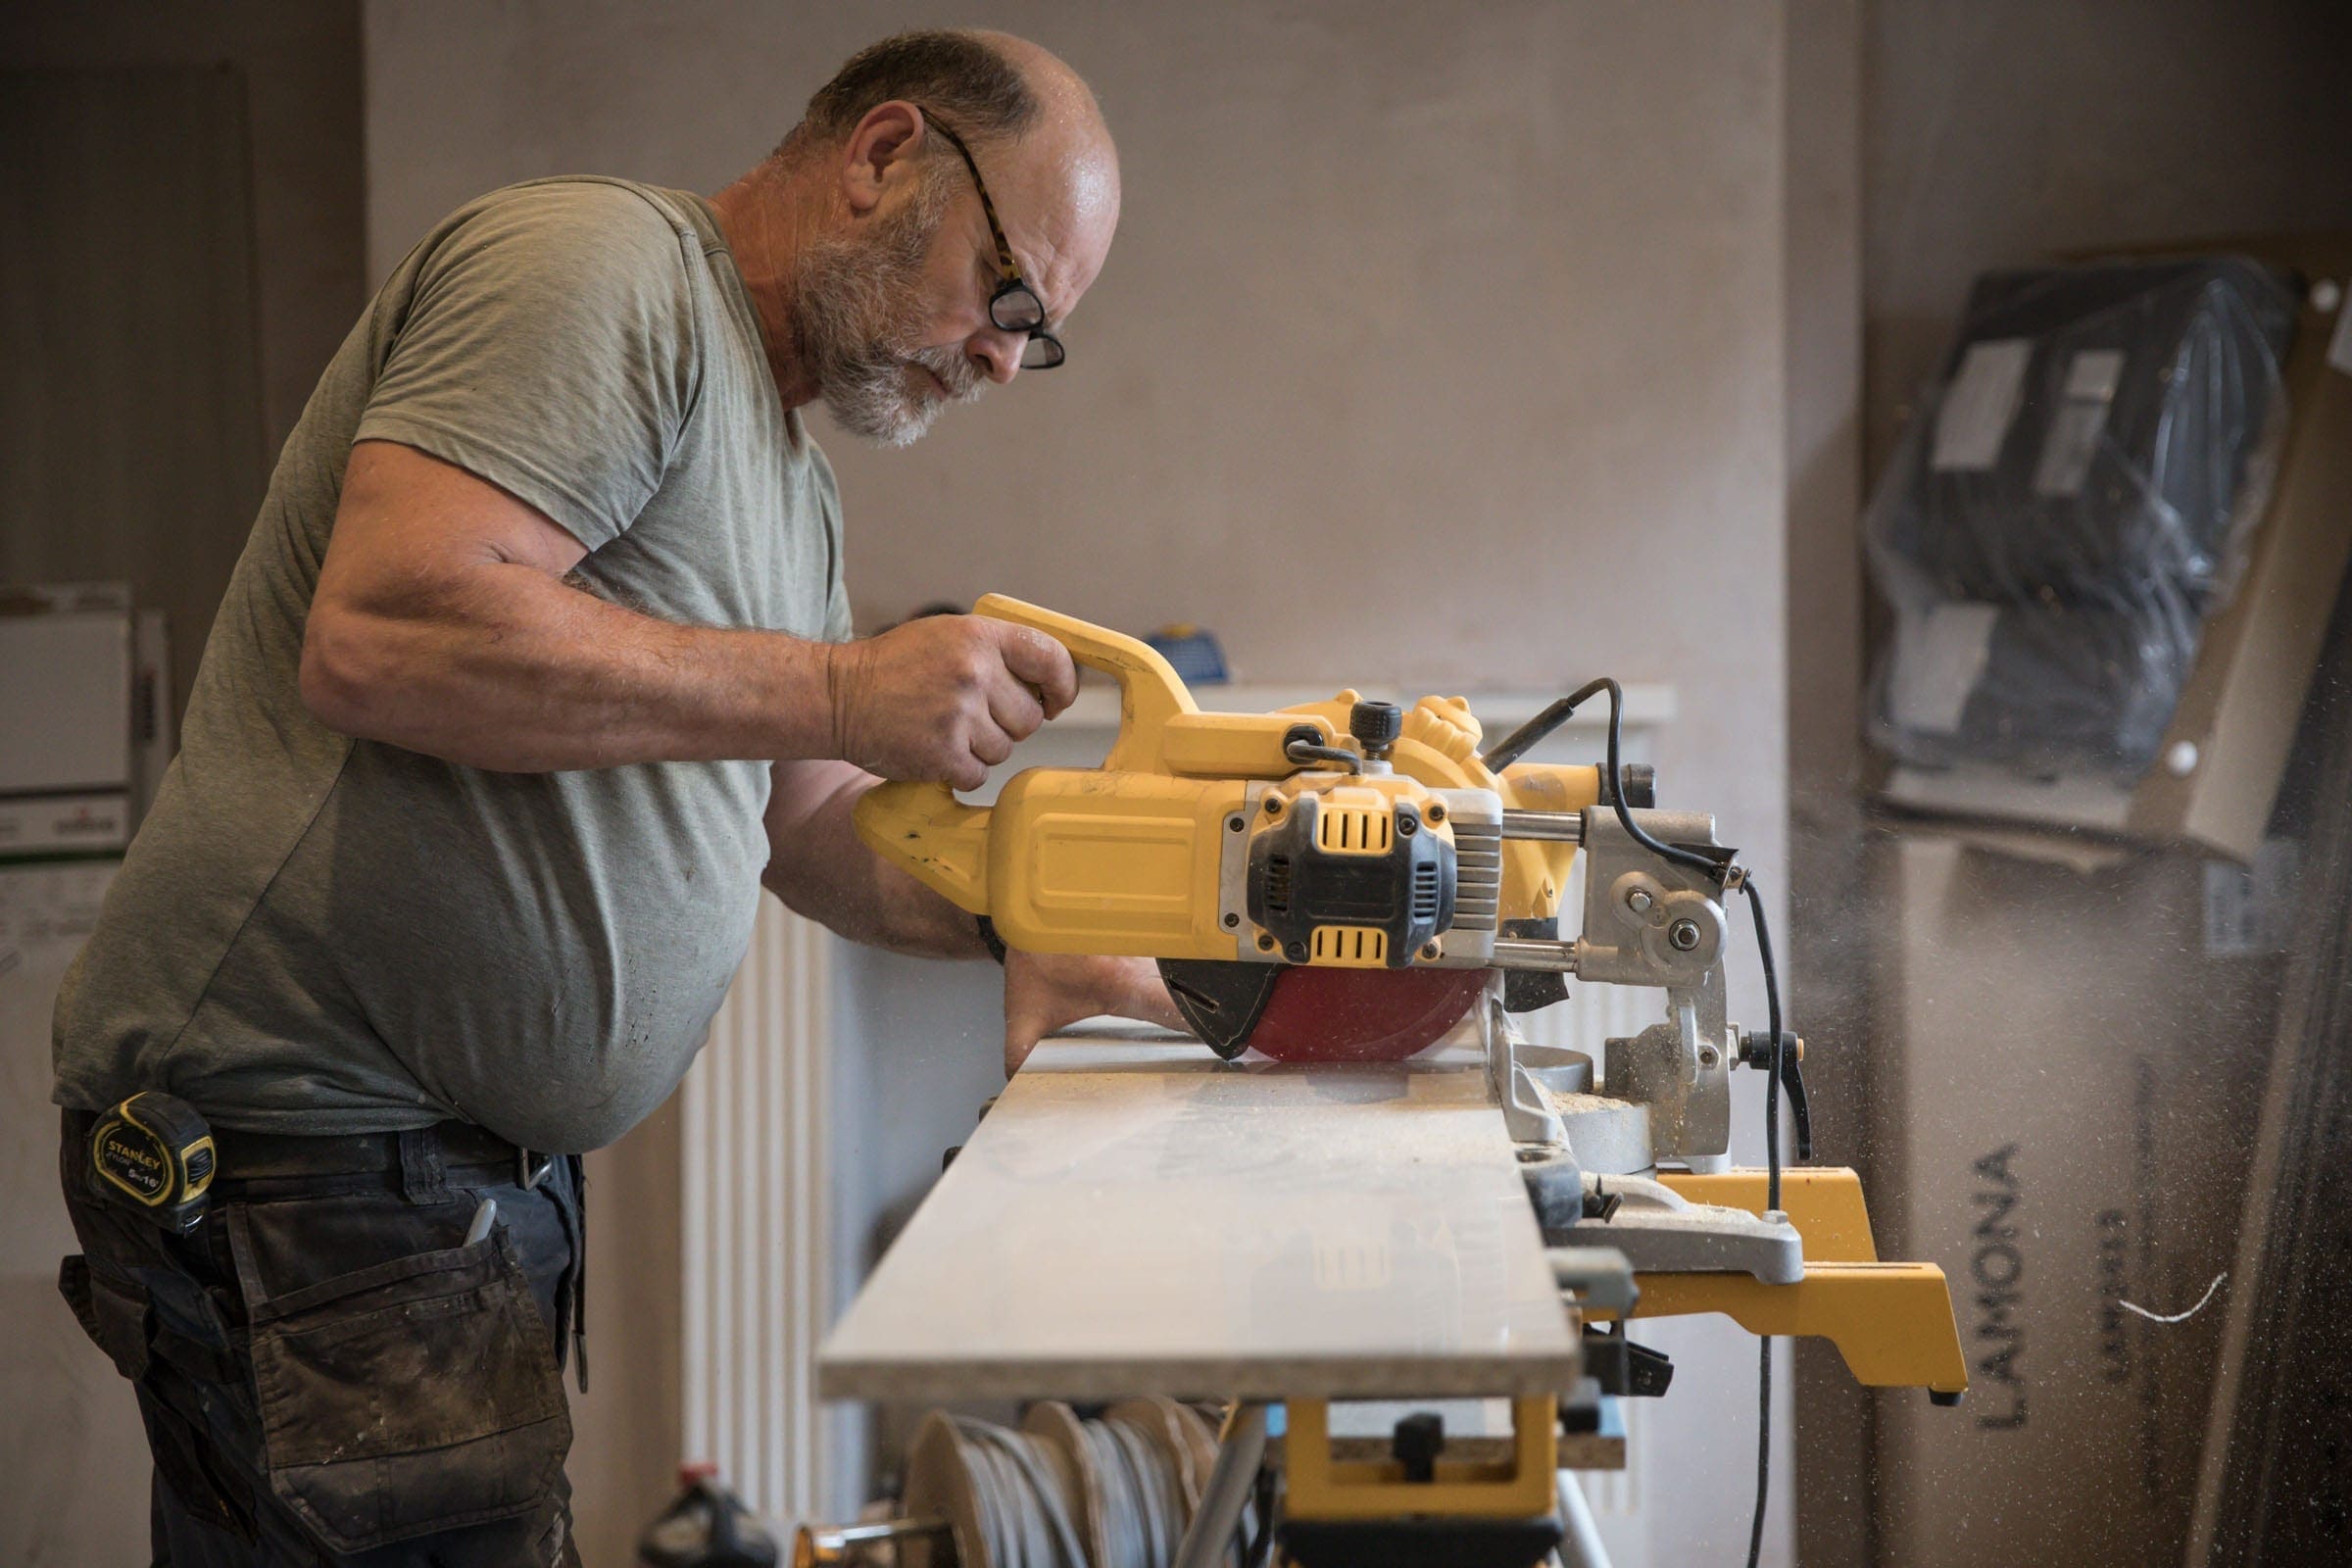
261	1156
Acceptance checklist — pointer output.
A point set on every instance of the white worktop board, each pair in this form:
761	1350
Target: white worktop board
1138	1217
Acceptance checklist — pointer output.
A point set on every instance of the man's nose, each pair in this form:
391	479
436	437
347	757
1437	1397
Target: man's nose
997	353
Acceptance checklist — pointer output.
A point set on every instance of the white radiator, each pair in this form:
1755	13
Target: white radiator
757	1221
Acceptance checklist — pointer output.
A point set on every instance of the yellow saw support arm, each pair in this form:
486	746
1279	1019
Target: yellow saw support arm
1892	1322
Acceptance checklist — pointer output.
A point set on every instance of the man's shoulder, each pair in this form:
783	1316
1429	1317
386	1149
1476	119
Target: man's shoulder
605	199
616	221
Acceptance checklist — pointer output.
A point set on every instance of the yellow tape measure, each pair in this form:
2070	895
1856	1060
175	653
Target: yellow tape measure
155	1153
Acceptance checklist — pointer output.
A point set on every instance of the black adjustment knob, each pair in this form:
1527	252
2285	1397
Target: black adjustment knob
1376	726
1755	1051
1638	786
1416	1442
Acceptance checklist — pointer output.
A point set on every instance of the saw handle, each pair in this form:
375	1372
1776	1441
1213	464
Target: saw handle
1162	735
1150	691
924	827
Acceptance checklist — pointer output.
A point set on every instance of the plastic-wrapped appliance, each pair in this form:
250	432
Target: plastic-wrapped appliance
2071	506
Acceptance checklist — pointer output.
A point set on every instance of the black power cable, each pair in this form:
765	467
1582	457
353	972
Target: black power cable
1755	1521
1523	740
1772	1203
1779	1042
1718	870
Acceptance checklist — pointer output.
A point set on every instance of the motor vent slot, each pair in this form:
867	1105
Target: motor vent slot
1350	947
1426	894
1278	885
1353	830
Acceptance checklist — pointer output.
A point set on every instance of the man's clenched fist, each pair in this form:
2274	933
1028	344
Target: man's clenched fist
944	698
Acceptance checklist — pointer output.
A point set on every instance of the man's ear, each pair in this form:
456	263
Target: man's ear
886	139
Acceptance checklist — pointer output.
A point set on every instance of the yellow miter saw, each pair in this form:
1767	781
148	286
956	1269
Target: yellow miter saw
1345	837
1342	880
1350	881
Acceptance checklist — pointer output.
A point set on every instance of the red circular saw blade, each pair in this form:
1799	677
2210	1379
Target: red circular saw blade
1318	1013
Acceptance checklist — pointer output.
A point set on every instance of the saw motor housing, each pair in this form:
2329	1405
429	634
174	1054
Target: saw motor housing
1388	863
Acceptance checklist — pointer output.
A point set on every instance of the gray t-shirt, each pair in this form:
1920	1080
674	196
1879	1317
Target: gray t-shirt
319	935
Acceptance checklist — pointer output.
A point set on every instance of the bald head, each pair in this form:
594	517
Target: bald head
1066	154
1031	122
867	241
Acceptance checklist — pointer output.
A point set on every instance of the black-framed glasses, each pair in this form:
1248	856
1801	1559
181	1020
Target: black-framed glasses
1014	307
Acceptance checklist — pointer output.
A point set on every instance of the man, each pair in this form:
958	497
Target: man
534	669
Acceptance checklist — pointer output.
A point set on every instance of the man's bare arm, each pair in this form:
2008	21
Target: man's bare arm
821	869
441	625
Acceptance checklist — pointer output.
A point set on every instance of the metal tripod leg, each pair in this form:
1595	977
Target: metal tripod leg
1241	1451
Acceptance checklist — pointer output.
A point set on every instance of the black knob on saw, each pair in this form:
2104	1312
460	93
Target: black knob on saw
1637	785
1416	1442
1755	1051
1376	726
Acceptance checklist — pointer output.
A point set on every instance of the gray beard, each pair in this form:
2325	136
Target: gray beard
858	306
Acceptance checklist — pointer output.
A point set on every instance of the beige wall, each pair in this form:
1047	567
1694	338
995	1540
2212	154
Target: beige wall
300	65
1827	942
1440	343
198	168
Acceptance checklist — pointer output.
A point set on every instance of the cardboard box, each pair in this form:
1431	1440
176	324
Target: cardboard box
2227	747
2067	1127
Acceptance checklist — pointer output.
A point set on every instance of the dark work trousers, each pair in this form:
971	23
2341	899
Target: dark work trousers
329	1376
